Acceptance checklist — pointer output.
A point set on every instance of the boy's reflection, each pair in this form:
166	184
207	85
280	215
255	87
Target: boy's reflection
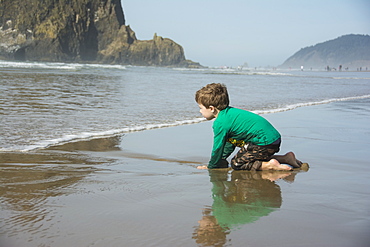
241	199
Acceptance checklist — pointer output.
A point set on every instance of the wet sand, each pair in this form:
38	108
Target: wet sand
143	188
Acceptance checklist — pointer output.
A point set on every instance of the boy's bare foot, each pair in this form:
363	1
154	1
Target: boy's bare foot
288	158
202	167
274	165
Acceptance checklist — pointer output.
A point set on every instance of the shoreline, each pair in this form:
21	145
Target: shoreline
108	191
86	137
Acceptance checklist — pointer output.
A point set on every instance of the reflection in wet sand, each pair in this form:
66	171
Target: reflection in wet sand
71	193
241	199
98	144
29	183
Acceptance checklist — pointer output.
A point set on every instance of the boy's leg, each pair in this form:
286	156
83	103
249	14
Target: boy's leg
288	158
254	157
245	160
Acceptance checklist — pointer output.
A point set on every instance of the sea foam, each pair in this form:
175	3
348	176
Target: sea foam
85	136
294	106
57	66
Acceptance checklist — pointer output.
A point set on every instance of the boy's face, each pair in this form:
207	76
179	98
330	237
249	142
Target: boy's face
207	113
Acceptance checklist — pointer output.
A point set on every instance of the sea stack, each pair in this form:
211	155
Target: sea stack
86	31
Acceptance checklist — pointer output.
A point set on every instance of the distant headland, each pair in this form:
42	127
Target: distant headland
348	52
86	31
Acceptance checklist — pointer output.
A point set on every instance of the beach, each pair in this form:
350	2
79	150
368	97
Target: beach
142	188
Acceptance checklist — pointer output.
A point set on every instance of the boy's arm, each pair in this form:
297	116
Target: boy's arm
223	163
219	142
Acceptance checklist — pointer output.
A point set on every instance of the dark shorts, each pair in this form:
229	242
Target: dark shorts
251	156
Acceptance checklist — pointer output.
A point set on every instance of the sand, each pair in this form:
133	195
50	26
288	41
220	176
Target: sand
143	188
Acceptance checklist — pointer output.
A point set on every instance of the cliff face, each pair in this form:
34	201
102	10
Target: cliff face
349	51
78	31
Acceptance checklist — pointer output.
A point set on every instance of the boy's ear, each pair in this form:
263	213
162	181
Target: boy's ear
212	108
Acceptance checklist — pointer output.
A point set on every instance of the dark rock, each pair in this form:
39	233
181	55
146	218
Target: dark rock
79	31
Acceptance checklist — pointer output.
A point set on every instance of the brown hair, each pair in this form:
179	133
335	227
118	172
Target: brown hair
214	94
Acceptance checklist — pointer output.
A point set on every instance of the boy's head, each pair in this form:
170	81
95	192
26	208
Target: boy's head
214	94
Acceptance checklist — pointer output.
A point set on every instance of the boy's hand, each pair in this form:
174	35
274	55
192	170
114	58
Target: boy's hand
202	167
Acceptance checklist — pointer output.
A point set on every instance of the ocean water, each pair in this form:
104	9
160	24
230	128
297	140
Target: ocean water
113	191
45	104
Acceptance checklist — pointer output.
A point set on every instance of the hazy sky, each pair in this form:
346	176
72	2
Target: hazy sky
259	32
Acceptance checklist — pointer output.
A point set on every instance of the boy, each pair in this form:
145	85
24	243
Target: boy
257	138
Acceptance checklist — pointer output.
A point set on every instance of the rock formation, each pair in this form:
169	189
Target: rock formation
348	51
79	31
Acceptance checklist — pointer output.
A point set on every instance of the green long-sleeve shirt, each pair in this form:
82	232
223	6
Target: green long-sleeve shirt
236	127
